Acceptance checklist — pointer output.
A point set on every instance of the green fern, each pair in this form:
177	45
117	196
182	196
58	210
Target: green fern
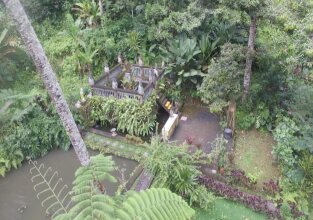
54	196
91	205
9	159
156	203
99	169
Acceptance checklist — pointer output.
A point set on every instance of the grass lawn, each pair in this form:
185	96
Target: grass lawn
227	210
253	155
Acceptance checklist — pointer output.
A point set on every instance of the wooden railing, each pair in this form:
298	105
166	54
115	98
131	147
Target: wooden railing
100	88
114	72
148	91
117	93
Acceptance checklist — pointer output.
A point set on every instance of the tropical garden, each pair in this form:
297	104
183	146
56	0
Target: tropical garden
248	64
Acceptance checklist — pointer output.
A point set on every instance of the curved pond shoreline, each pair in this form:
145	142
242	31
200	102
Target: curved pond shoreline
18	199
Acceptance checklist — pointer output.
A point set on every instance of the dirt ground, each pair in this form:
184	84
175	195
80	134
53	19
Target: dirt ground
253	155
201	127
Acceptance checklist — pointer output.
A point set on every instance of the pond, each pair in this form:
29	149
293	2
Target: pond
18	199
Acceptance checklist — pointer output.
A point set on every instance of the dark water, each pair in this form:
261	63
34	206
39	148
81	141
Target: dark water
18	199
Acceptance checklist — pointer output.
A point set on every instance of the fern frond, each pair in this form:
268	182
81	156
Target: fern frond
48	187
154	203
99	169
89	204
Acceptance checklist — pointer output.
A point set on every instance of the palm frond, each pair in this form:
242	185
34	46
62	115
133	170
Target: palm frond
54	197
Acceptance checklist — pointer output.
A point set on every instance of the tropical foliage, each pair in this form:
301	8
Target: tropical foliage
174	168
180	58
204	48
223	81
90	203
28	119
127	114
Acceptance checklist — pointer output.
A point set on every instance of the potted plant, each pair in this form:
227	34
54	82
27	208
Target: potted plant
221	165
221	162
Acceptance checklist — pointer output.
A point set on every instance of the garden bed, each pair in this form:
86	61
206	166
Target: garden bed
117	145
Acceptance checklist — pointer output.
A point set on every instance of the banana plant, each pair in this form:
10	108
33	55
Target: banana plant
180	56
208	49
88	12
85	61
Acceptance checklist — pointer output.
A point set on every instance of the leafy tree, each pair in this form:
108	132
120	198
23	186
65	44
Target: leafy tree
45	9
253	10
222	83
294	19
14	104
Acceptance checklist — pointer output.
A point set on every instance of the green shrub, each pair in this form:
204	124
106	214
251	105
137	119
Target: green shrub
36	131
127	114
133	139
306	164
286	141
175	168
244	120
10	158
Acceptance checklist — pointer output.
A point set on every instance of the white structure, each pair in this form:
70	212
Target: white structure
106	69
141	90
91	81
114	84
119	59
140	61
169	127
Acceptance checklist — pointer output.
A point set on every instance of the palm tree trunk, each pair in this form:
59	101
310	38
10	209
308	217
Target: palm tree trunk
49	78
249	58
101	7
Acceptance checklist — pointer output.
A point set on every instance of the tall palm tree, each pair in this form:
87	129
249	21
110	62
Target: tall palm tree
49	78
249	57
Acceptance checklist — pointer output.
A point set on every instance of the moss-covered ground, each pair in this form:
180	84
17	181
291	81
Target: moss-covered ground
227	210
253	155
